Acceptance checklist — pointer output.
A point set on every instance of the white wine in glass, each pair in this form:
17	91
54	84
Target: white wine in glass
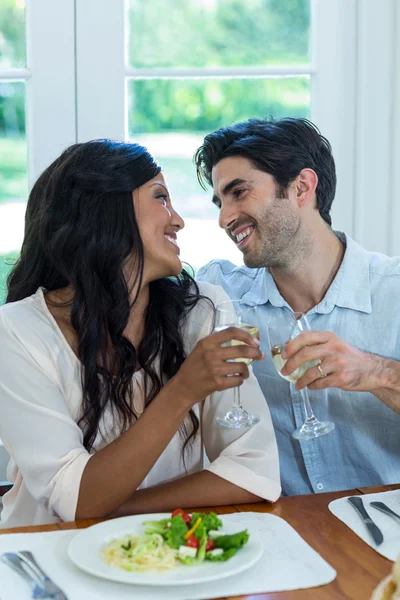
281	330
279	363
251	329
235	313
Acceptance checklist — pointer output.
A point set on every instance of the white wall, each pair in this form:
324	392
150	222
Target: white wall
367	147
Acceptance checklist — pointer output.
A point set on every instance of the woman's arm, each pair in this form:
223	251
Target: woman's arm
47	445
200	489
244	467
116	471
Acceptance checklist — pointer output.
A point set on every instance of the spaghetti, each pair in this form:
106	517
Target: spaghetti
139	553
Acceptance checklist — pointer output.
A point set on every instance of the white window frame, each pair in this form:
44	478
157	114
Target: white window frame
49	79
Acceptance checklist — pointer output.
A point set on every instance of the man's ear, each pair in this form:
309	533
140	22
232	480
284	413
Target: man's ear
305	184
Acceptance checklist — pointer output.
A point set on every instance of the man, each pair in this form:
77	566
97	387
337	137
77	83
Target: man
274	183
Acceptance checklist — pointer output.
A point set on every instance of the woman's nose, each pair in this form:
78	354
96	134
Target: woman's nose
177	220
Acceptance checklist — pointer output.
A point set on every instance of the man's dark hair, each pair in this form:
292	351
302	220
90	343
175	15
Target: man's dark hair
281	148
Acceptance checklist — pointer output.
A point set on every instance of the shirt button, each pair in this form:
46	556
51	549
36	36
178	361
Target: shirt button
320	486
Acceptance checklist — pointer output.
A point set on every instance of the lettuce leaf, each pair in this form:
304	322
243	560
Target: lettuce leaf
210	521
157	527
175	536
222	557
236	540
188	560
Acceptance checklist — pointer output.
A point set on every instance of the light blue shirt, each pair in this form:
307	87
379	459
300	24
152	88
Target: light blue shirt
362	306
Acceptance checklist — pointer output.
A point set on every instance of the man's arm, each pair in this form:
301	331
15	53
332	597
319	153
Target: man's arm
343	366
388	381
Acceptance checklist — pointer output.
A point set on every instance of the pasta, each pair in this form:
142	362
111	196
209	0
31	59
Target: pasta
139	553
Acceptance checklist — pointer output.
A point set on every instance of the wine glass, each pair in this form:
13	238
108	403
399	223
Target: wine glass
235	313
279	332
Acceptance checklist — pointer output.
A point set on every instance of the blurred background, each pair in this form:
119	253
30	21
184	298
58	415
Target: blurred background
166	72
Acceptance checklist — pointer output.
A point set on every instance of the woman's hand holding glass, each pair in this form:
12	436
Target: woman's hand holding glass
212	365
237	314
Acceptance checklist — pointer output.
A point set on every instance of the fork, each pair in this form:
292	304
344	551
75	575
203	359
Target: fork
25	565
385	509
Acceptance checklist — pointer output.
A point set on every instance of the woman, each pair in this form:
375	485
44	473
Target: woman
109	379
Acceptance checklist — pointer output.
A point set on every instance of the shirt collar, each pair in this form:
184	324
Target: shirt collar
349	289
351	286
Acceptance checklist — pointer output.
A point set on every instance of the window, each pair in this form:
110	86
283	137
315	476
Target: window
202	65
13	150
206	64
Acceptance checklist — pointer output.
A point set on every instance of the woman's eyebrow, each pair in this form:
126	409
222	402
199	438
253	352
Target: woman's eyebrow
160	184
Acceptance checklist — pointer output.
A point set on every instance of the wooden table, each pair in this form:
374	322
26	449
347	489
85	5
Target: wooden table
359	568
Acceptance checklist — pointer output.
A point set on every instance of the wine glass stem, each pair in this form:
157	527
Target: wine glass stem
307	406
236	398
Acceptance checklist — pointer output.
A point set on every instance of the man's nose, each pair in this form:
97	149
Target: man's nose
227	215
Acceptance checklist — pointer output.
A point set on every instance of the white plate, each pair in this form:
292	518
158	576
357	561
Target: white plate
84	551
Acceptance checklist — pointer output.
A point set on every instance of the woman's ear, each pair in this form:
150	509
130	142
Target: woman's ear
306	184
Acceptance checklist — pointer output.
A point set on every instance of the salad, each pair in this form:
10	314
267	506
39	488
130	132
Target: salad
180	539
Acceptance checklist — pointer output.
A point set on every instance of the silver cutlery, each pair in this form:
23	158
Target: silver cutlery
385	509
373	529
42	586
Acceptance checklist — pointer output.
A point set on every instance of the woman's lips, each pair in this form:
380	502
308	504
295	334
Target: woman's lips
172	241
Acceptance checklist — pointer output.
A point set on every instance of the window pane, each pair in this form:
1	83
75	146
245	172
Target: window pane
211	33
12	33
171	118
13	174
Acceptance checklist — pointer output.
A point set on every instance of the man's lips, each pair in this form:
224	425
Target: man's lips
240	235
245	240
241	228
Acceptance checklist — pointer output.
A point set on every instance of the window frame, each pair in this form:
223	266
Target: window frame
49	78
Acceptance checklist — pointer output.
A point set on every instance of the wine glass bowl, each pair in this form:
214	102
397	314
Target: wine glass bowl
235	313
284	328
279	333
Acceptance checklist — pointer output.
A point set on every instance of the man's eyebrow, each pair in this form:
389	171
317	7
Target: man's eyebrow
232	184
229	186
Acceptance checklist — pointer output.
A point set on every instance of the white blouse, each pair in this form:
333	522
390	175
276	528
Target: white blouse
40	405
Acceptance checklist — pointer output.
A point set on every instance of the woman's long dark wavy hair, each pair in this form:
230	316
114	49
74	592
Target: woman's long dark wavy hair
80	228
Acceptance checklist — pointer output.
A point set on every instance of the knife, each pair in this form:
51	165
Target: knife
24	563
385	509
373	529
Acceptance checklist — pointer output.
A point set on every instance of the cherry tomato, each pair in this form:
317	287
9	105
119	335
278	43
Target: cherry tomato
210	545
185	516
192	541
